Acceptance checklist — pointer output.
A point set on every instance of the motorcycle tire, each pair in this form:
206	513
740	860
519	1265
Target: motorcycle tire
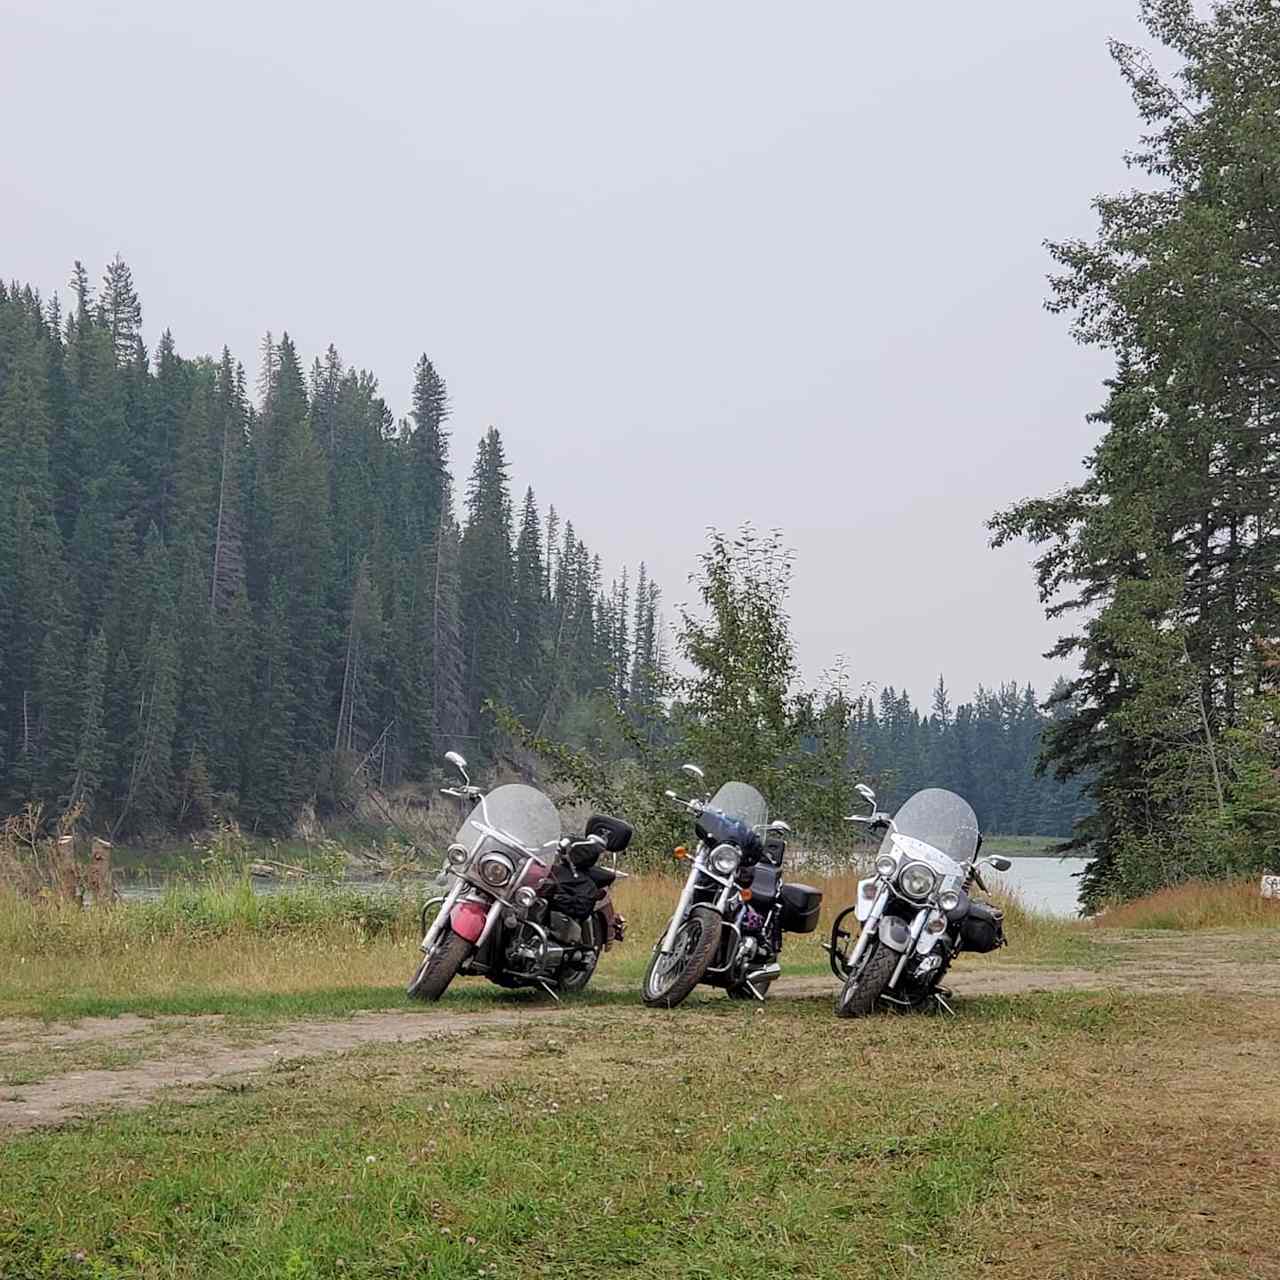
743	992
864	985
698	956
439	968
573	980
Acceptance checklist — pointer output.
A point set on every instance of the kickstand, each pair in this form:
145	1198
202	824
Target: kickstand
942	1002
748	984
551	991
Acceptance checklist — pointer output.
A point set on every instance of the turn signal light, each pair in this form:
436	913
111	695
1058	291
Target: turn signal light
681	851
745	895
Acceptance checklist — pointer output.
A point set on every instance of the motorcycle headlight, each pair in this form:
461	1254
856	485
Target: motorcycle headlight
886	864
496	869
458	856
916	880
725	859
526	897
948	899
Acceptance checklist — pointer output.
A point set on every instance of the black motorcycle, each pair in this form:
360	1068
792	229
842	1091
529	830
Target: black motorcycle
916	913
727	927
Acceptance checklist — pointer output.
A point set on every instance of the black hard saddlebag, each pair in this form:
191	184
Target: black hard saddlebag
982	929
801	906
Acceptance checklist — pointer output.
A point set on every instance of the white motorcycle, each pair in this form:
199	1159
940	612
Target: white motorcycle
916	913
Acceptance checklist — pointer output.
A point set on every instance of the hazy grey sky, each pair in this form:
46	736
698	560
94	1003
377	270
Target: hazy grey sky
699	260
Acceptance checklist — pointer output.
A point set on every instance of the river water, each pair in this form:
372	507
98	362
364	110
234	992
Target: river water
1051	885
1044	884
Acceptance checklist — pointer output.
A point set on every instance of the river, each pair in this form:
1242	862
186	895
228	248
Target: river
1051	885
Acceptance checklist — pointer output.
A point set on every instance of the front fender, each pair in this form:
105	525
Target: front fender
468	919
894	933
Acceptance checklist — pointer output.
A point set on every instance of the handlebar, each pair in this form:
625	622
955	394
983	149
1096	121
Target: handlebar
694	806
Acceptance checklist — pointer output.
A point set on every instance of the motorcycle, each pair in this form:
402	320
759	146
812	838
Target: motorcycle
728	924
525	906
916	913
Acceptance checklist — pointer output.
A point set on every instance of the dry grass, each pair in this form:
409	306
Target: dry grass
1199	904
206	942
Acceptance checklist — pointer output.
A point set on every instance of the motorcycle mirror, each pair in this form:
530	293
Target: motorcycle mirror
457	761
671	795
694	770
999	863
778	825
866	793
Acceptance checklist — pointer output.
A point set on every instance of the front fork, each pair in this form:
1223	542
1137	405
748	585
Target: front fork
870	926
446	907
667	945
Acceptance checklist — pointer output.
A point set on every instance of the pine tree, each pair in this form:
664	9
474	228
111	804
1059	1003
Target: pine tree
528	645
270	788
120	311
92	745
487	587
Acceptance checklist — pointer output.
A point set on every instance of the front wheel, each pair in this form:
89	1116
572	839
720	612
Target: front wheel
670	978
864	986
439	967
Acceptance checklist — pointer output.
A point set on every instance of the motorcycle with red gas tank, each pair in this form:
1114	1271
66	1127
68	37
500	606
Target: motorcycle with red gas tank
524	906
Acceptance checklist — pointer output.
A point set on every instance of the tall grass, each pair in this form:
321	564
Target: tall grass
197	912
1198	904
212	943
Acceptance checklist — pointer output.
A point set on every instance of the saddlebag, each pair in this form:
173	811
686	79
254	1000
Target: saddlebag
800	908
982	929
573	896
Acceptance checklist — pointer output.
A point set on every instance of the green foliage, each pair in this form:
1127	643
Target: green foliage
1168	548
208	605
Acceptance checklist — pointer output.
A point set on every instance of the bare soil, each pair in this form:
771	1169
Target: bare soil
192	1053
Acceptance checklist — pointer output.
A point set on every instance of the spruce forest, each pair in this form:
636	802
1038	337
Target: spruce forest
219	601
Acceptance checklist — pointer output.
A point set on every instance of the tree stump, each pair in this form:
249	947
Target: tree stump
100	882
66	872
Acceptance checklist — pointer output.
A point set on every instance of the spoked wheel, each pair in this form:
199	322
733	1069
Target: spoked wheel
575	978
670	978
439	967
866	982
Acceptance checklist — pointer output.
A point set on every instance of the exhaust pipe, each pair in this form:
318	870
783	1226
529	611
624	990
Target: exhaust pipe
765	971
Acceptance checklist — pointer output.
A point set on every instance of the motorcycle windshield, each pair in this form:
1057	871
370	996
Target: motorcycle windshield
738	800
521	812
941	819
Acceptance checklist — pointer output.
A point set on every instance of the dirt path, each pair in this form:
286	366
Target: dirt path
212	1058
155	1054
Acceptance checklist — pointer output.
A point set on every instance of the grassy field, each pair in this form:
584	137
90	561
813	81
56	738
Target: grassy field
1039	1136
1056	1133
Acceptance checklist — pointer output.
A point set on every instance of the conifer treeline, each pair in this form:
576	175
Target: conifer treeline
986	750
211	605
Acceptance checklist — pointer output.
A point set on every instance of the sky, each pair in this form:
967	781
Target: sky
700	261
